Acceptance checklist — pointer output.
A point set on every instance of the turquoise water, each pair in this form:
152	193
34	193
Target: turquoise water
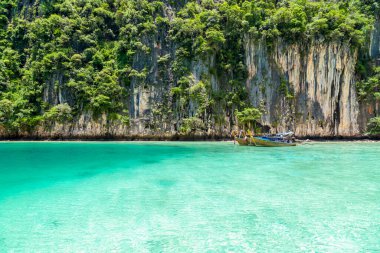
189	197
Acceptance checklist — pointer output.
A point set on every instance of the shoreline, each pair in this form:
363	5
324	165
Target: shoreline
176	138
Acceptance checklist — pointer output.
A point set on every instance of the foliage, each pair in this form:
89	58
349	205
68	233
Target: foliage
59	113
191	125
284	90
369	88
374	126
248	116
123	117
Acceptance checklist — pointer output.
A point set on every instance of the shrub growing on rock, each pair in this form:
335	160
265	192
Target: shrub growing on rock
192	124
59	113
374	126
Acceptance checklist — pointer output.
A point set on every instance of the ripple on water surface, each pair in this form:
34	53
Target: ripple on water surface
189	197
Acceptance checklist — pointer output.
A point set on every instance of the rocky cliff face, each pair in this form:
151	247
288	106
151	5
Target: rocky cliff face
375	40
305	88
309	89
367	109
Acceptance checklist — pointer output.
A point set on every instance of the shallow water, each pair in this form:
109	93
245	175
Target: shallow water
189	197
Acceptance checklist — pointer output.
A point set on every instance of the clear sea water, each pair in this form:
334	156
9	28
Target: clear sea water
189	197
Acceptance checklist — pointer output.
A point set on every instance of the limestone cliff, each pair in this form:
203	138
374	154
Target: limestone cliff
307	87
375	40
370	109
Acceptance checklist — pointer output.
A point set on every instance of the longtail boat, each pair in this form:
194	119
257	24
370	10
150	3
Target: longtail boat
278	140
272	142
245	141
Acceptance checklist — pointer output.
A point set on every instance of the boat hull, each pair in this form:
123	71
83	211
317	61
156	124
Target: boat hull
268	143
245	141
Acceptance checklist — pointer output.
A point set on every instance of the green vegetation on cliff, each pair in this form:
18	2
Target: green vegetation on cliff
374	126
61	58
370	87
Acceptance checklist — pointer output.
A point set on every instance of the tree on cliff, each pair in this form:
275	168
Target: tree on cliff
248	117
